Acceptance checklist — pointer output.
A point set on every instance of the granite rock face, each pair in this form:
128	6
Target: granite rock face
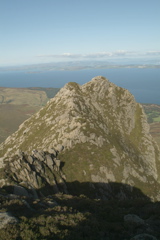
40	171
100	134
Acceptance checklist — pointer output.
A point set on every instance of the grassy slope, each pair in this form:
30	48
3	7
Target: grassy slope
153	114
12	116
18	104
51	92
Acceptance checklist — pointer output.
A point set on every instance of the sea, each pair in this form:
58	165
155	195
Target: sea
143	83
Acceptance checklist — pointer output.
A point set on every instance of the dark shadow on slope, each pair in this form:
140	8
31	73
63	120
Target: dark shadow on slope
105	191
92	190
82	214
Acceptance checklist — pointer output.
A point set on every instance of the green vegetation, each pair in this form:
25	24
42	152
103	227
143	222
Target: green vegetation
17	105
153	112
51	92
153	115
21	96
12	116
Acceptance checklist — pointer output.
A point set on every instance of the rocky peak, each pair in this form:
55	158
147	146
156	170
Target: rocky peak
104	133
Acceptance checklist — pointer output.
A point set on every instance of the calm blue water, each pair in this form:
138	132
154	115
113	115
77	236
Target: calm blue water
144	84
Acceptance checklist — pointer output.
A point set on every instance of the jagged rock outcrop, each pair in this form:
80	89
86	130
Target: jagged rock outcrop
105	136
40	171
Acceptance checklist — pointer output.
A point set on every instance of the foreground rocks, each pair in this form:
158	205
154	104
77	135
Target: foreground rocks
6	218
62	216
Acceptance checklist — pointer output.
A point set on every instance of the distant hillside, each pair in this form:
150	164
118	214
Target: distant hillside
153	116
18	104
50	92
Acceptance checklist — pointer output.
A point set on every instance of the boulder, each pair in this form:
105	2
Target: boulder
143	236
38	155
133	220
30	159
21	191
58	163
52	151
49	161
7	218
59	147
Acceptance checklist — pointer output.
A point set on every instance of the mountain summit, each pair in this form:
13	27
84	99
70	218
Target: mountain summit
85	139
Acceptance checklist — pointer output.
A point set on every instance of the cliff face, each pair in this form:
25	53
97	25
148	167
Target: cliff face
98	133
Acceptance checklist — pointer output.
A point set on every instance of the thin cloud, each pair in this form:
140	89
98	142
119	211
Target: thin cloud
118	53
153	53
88	55
63	55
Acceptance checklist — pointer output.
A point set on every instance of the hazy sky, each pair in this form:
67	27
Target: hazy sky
39	31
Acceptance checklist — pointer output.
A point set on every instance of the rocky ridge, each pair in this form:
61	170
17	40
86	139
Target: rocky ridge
105	136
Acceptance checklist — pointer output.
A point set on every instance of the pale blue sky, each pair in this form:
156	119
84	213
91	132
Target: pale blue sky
39	31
